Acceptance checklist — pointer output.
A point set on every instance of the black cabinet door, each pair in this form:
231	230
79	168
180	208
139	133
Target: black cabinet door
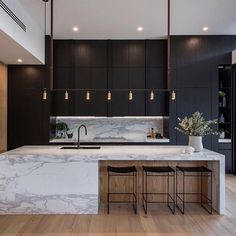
90	53
118	105
159	106
90	73
28	114
127	72
137	53
82	53
137	104
98	53
156	63
63	78
119	53
91	80
62	51
118	79
60	106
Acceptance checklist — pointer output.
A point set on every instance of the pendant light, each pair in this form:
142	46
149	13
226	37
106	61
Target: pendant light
109	95
152	95
45	26
130	95
87	95
173	96
66	95
45	94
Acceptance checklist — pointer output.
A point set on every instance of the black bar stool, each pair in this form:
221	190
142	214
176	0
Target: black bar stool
158	171
129	171
199	172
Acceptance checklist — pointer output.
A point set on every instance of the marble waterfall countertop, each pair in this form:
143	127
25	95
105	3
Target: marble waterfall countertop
116	152
50	180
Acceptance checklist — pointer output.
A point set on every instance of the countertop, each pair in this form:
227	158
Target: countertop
50	180
127	152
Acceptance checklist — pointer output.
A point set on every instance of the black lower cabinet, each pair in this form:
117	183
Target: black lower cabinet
226	149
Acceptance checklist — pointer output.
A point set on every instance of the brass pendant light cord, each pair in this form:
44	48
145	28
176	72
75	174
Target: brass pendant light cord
51	45
168	45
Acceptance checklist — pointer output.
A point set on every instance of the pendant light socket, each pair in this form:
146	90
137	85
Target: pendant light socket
152	95
45	94
173	96
130	95
66	95
87	95
109	95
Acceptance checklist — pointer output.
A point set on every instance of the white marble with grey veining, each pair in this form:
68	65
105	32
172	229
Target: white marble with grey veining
49	180
112	129
47	184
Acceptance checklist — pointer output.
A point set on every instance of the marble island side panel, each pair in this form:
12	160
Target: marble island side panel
35	184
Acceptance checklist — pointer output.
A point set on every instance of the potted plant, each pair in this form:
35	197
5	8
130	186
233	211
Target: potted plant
62	128
196	127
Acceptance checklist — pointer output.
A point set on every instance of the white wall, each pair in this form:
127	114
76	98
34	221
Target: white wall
33	39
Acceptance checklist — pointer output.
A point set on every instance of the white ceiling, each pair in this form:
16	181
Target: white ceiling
11	51
118	19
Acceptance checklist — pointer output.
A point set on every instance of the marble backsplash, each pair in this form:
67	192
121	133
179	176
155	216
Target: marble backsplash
109	129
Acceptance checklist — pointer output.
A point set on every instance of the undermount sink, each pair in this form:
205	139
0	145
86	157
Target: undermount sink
81	147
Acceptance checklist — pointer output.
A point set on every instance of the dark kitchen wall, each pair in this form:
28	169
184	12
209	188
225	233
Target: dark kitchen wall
28	114
85	64
116	65
194	74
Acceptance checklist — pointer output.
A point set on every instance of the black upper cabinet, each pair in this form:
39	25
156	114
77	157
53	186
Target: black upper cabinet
156	63
137	78
119	53
127	72
118	78
137	53
118	105
90	72
156	53
90	53
60	106
63	78
99	53
81	53
62	53
109	64
97	105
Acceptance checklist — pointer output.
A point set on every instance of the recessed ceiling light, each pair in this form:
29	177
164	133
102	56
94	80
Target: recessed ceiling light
75	29
205	28
140	28
19	60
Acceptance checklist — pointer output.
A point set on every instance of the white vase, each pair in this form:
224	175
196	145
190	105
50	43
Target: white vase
196	143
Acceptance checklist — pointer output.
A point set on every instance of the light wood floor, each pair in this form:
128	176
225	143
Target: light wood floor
122	221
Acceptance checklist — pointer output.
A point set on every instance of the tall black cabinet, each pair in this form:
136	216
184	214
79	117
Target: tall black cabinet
120	66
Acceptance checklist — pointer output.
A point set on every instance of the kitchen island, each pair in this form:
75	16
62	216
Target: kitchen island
50	180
